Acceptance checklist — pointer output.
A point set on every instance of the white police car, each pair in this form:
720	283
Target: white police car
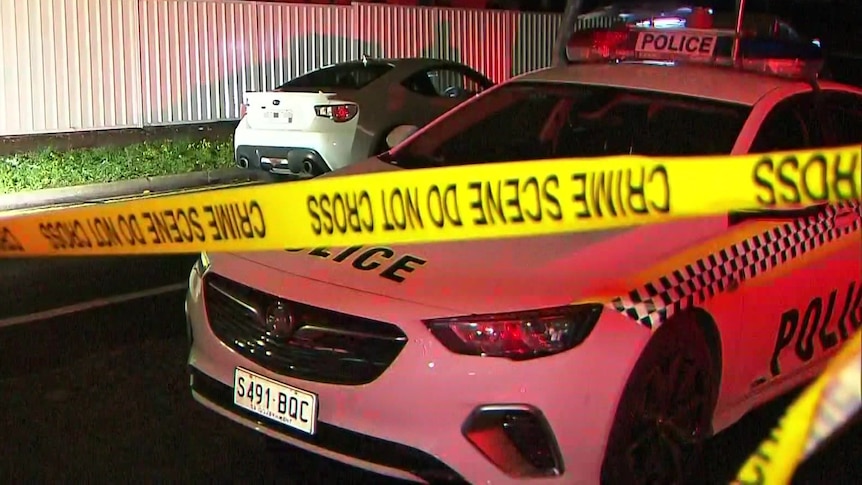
579	358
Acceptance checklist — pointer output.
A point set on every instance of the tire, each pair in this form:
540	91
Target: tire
665	413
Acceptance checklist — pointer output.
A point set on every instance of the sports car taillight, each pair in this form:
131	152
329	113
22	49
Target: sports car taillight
517	336
338	113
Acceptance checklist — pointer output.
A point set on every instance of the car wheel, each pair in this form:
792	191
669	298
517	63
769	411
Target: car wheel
666	409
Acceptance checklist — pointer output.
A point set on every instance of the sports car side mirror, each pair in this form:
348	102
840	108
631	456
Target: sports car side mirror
399	134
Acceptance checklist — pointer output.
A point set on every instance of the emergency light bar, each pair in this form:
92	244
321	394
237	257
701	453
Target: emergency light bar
769	55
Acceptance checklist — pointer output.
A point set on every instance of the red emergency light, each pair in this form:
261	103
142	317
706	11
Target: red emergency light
627	43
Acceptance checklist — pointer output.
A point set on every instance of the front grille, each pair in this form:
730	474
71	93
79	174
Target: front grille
340	440
326	346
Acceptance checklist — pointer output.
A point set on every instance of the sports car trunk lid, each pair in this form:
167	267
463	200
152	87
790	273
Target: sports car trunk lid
289	109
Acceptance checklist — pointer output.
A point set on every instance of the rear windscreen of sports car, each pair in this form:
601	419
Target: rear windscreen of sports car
528	121
351	75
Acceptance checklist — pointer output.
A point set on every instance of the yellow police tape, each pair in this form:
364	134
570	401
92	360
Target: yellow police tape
828	403
441	204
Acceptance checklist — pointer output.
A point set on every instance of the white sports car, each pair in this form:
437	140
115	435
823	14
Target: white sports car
331	117
582	358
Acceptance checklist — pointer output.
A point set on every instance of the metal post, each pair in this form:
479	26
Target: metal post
740	10
567	26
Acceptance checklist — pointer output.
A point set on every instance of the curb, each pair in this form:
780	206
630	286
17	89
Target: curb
80	194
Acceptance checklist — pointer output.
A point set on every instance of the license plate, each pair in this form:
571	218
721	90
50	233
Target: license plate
271	399
680	43
280	115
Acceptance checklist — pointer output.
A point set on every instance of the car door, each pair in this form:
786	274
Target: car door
796	296
437	90
458	83
840	115
477	82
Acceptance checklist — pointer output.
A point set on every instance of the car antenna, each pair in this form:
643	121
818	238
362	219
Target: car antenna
740	8
568	24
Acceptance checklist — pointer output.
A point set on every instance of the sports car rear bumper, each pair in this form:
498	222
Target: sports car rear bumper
279	159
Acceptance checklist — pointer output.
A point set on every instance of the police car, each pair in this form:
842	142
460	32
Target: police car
580	358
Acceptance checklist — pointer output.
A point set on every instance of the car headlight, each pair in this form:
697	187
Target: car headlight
517	336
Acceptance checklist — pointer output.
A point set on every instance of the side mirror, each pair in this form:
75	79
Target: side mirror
399	134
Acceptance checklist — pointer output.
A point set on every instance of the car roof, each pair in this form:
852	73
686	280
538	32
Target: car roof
708	82
410	62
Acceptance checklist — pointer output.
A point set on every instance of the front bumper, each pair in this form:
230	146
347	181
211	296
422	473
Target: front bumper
368	449
408	422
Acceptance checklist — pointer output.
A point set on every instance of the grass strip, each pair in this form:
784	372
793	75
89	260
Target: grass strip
51	168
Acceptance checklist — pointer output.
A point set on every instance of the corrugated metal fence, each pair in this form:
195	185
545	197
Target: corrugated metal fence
74	65
69	65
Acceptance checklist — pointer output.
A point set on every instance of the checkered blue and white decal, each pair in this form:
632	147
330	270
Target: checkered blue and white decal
656	301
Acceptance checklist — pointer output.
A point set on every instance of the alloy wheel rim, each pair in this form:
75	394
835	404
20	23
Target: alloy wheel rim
667	424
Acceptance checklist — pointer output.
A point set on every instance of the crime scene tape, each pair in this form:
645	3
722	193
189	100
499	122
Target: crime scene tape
478	201
828	403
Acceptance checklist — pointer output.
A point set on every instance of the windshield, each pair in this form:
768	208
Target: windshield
528	121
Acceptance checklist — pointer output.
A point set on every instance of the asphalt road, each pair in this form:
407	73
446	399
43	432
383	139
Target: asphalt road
102	396
32	285
108	402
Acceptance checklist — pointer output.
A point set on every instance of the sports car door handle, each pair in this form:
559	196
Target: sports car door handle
738	217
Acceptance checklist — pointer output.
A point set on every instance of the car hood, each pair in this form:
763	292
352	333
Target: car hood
478	276
482	276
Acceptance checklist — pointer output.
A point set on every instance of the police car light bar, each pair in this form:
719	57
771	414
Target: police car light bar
769	55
